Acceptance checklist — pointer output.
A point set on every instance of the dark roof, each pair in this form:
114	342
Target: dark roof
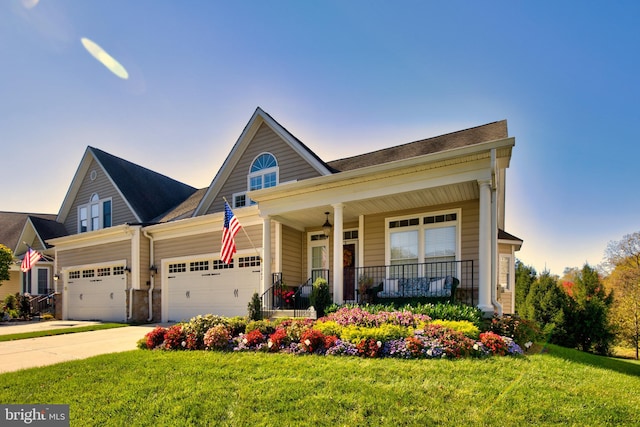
503	235
489	132
149	193
184	209
12	224
48	228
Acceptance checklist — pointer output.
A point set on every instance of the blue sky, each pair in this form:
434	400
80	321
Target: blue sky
345	77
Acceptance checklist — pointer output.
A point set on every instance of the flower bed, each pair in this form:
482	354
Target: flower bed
346	332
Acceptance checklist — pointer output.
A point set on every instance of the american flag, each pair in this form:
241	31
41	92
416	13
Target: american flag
30	259
229	231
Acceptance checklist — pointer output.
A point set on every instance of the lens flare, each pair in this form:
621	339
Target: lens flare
104	58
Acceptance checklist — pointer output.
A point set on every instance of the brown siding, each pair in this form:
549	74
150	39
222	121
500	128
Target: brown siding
291	165
11	286
102	186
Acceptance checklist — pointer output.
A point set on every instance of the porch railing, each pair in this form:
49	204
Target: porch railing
41	304
392	281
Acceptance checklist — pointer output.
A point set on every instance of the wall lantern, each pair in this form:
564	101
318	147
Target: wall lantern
153	270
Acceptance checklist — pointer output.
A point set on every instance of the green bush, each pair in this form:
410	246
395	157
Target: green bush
355	334
467	328
522	331
328	327
320	297
266	327
11	302
255	307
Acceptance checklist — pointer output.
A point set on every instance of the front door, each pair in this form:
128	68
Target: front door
349	273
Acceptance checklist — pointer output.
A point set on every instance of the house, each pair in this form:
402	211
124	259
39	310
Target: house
143	247
18	232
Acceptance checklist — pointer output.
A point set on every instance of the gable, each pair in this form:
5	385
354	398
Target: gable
12	225
96	181
137	194
262	134
292	167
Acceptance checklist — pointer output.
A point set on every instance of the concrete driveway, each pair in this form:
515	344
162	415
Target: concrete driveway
33	352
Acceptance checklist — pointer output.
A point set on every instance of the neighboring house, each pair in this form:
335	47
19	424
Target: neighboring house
143	247
18	232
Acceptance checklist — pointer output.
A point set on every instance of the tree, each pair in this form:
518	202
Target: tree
623	258
588	316
525	276
6	259
546	304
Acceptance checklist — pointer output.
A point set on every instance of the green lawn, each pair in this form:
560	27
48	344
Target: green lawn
62	331
139	387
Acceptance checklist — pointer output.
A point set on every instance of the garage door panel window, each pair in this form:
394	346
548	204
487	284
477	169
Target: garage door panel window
249	261
199	266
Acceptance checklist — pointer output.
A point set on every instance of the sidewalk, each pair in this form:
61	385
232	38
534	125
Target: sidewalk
19	327
34	352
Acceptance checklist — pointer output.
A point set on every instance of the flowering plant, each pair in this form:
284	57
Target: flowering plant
217	337
494	343
174	337
312	340
278	340
369	348
253	338
155	338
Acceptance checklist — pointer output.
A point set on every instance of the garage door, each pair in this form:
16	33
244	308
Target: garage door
96	293
208	286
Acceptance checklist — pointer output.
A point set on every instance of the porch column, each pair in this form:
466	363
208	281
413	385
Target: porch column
338	236
484	249
265	283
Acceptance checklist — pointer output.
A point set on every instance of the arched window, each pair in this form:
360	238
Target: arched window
263	173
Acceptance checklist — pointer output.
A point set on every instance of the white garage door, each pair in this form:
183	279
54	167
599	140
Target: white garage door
96	293
208	286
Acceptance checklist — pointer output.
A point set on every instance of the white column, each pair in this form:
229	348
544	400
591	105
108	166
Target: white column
265	283
484	249
338	236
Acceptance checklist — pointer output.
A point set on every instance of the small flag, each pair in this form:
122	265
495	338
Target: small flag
30	259
229	231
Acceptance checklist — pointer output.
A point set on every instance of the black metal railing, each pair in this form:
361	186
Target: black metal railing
442	279
43	303
268	298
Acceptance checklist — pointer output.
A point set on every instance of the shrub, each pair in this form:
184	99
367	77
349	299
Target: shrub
446	311
11	302
255	307
312	340
217	337
454	344
278	340
328	327
369	348
253	338
494	343
266	327
467	328
198	327
320	297
155	337
522	331
295	327
355	334
173	337
236	325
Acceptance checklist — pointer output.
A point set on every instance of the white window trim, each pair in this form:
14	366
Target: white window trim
100	202
314	244
421	227
263	172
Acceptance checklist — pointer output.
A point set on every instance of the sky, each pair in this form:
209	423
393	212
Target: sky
171	84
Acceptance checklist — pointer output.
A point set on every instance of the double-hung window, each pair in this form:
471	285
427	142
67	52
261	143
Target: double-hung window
95	215
428	239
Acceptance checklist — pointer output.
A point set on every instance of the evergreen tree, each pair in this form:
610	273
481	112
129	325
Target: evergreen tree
545	304
525	276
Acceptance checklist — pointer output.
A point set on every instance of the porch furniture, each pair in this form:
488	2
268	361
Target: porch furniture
427	289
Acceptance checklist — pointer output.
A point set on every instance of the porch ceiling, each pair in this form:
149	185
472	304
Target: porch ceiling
314	217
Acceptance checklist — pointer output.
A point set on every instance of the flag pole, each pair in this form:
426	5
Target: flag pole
246	234
46	257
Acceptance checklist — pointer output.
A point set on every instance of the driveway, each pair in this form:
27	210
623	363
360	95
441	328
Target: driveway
33	352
